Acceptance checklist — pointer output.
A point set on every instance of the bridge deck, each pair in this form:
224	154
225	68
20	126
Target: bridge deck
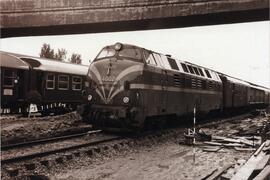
39	17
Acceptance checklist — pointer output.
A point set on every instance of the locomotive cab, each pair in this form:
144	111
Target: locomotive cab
111	78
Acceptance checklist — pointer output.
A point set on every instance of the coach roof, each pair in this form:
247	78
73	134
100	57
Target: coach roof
55	66
11	61
44	64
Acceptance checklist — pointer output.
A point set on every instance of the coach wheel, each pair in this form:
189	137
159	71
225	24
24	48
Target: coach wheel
45	113
24	110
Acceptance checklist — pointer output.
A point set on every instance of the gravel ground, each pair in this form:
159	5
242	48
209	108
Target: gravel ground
16	130
156	157
165	159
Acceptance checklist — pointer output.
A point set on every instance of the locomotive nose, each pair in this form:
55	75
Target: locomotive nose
114	76
113	70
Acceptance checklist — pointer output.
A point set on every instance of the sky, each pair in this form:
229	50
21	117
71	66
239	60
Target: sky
241	50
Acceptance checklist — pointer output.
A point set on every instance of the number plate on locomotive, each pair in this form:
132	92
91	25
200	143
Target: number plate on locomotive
108	78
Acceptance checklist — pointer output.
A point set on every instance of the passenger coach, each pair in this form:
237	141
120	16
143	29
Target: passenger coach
14	80
52	85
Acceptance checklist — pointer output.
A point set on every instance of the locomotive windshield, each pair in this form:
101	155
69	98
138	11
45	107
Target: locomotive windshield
129	52
106	52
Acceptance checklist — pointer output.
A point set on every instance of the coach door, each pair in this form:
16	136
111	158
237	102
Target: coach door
22	84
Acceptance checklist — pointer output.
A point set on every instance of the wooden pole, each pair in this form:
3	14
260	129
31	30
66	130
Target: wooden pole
194	133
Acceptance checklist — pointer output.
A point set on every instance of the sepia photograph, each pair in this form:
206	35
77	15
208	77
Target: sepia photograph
135	89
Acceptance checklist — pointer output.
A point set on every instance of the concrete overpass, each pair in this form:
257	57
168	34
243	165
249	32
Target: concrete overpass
53	17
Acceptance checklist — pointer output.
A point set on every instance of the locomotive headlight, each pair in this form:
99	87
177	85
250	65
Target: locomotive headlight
125	100
89	97
118	46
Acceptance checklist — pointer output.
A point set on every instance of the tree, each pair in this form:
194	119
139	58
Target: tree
46	51
60	55
75	58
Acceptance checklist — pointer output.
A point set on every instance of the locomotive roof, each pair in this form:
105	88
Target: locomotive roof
11	61
237	81
44	64
166	65
260	88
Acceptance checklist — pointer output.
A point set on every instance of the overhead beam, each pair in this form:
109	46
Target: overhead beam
50	17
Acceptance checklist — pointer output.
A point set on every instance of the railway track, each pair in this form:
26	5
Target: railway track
18	152
47	140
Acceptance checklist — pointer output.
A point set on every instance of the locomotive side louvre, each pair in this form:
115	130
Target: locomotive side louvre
184	91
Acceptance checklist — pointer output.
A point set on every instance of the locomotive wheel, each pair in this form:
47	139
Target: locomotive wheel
155	123
94	118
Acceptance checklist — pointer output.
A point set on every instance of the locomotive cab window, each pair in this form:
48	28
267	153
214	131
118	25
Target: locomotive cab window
63	82
149	59
158	60
50	81
76	83
173	64
9	78
106	52
133	53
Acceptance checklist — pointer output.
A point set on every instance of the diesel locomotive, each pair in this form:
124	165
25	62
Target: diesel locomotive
129	87
53	86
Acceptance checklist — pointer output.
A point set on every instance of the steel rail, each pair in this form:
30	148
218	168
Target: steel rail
47	140
54	151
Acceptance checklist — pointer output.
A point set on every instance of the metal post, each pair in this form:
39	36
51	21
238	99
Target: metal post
194	133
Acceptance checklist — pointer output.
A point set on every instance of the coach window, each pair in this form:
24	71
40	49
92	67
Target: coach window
208	74
76	83
9	77
190	69
50	81
63	82
173	64
200	71
184	67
